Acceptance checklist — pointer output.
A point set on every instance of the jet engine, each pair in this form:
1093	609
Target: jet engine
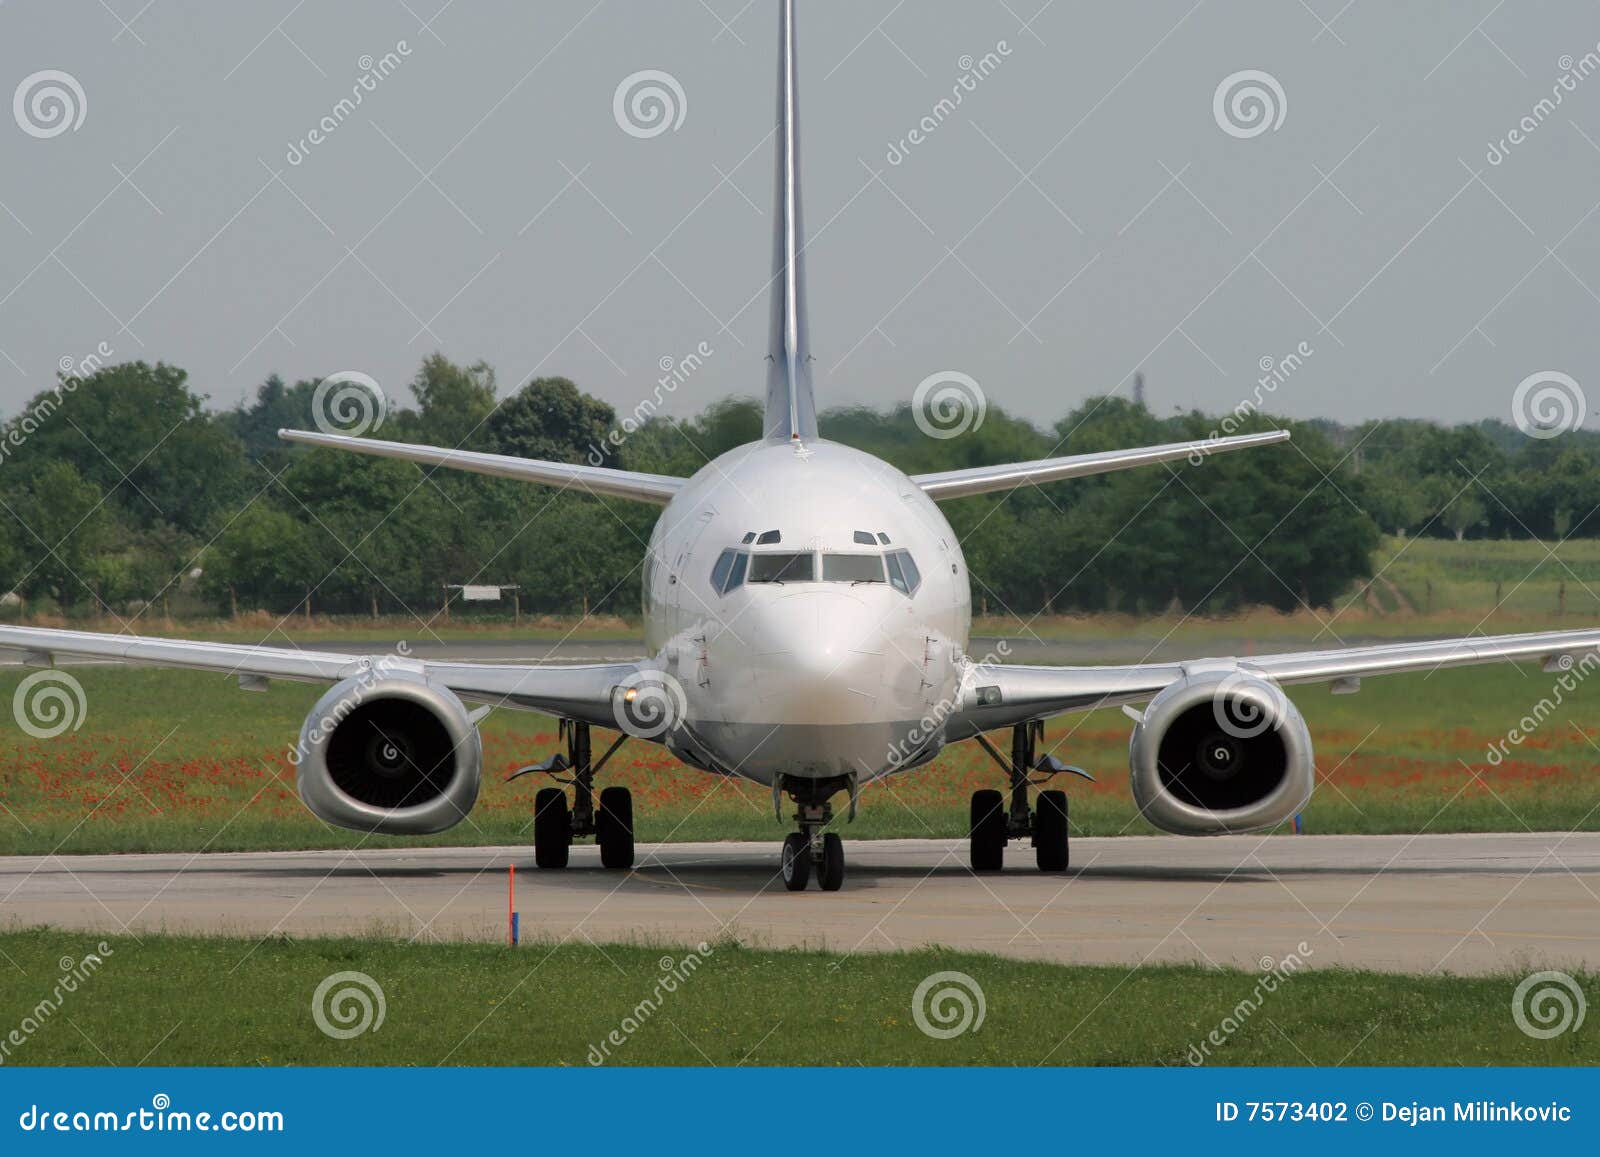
389	753
1220	752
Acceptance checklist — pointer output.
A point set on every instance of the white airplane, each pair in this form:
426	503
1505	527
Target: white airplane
807	612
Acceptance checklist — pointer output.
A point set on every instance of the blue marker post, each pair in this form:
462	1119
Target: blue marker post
511	903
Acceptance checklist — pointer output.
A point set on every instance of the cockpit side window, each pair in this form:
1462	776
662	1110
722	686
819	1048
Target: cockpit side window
913	576
852	568
728	574
783	568
903	575
741	563
719	573
864	538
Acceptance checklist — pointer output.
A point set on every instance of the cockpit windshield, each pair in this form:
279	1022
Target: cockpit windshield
783	568
852	568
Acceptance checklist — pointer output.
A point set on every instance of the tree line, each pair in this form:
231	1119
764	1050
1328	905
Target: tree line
121	487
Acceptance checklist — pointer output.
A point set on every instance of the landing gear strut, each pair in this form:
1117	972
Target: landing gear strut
812	848
993	825
556	824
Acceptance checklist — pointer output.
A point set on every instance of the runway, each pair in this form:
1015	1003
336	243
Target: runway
1452	903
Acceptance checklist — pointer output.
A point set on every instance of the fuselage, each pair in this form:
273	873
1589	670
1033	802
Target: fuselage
814	607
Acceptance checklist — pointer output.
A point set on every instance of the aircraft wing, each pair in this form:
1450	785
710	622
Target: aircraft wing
999	695
982	479
573	692
656	488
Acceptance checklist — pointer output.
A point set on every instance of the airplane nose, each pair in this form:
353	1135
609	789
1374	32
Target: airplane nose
822	654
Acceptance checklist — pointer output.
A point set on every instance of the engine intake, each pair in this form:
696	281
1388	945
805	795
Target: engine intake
390	754
1220	752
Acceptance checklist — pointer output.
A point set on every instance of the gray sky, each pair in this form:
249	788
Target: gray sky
1082	214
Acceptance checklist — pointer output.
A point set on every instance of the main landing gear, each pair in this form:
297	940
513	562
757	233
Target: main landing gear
556	824
993	825
812	848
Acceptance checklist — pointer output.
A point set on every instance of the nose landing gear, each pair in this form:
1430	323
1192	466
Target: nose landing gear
556	824
993	825
813	848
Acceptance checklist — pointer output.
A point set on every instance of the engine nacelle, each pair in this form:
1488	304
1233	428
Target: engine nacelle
389	753
1220	752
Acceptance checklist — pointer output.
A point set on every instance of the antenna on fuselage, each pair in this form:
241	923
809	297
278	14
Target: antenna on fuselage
791	412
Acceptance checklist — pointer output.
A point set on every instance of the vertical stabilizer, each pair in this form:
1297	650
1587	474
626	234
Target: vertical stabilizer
791	408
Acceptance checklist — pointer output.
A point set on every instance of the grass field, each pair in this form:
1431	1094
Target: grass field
176	1001
177	761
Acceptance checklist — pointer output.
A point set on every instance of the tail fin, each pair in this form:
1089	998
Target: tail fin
791	408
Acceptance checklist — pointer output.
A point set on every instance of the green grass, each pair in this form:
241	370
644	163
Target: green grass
188	1001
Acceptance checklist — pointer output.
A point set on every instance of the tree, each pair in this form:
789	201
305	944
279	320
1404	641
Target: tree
61	521
551	420
454	401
